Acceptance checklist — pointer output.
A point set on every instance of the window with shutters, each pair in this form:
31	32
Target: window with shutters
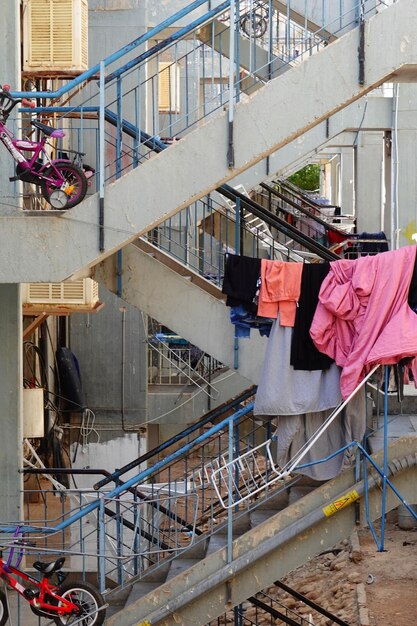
55	35
169	87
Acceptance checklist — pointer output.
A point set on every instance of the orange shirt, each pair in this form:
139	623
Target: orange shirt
280	290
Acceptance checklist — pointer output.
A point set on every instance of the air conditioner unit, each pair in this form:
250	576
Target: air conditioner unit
83	292
55	35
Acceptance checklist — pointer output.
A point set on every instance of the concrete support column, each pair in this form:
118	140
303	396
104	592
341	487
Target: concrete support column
9	73
346	181
368	188
11	483
406	192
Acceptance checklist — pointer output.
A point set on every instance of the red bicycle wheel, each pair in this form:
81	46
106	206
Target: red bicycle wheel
4	612
89	601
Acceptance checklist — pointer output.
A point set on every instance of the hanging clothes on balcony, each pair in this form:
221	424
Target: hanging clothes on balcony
282	390
241	284
363	317
240	281
244	322
280	290
304	354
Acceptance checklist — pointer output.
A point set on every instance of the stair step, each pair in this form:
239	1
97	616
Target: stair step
180	565
240	525
216	542
258	517
139	590
276	502
198	550
157	573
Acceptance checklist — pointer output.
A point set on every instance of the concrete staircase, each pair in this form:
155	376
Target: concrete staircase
197	164
194	555
269	549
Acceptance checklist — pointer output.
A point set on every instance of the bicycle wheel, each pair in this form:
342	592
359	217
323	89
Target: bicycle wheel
75	186
254	25
88	599
4	612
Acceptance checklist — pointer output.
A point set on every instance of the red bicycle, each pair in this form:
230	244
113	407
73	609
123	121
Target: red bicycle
65	602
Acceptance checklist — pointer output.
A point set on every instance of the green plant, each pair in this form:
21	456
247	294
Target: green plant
307	178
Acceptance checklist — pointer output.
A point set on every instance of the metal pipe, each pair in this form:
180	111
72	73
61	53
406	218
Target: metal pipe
232	69
101	157
361	47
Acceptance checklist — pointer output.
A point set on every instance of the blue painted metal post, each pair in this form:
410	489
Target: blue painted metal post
119	140
102	153
230	496
119	123
136	139
101	547
136	544
237	250
385	465
230	149
119	541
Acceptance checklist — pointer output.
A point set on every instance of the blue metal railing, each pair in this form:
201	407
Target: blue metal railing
130	109
183	486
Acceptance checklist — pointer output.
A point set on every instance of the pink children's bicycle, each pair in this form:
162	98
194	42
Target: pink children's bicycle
63	184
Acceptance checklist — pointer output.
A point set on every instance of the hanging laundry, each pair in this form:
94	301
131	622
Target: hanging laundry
412	293
240	281
304	354
282	390
280	290
244	322
372	243
294	432
241	284
363	318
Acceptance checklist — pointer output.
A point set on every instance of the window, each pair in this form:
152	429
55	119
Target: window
169	87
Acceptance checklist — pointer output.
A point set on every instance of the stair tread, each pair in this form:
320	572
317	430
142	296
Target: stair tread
180	565
139	590
217	542
259	516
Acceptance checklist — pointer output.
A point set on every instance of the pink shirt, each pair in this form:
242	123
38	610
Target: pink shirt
363	318
280	290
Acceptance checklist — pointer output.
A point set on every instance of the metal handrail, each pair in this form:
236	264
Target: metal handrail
306	212
208	417
221	476
280	224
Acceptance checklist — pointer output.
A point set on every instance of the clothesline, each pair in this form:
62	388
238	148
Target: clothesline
329	325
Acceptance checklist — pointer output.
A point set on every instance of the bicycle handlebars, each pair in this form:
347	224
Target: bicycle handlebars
6	109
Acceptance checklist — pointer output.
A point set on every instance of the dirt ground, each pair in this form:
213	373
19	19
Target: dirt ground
390	577
357	583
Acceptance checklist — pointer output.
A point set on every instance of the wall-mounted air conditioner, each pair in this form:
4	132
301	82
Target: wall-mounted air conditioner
83	292
55	36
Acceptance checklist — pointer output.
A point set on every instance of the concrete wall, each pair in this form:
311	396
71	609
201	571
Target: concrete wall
112	355
173	411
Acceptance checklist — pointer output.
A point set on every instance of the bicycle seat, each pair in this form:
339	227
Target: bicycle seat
49	568
48	130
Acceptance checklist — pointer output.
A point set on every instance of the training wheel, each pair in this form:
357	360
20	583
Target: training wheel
58	199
